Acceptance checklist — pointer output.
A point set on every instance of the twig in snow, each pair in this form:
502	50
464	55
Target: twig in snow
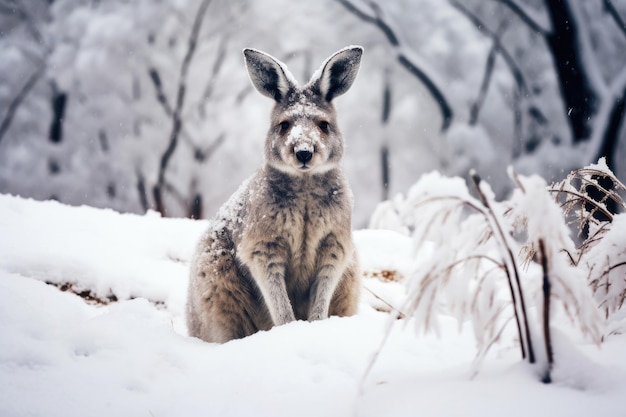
546	311
482	353
399	314
376	353
511	272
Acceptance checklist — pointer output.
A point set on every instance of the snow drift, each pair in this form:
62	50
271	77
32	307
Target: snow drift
120	348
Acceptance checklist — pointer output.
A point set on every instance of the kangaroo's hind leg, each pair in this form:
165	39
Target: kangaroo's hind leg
223	303
332	261
345	301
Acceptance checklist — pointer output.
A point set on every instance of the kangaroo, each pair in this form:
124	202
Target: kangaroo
281	248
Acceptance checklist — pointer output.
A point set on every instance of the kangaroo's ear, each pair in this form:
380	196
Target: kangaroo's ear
268	75
338	72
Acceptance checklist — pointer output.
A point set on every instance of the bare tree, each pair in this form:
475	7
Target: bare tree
593	105
18	11
15	103
374	14
175	112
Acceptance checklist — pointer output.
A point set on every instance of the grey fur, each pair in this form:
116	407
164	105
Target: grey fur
281	248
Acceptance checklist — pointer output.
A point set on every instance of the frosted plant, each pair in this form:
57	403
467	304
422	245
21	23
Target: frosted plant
474	258
442	211
590	197
548	242
494	262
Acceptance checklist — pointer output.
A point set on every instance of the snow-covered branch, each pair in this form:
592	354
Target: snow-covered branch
547	293
512	272
603	253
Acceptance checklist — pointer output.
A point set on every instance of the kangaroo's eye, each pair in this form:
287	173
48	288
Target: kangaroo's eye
324	126
284	126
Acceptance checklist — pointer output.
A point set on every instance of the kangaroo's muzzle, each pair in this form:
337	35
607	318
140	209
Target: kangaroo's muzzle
304	156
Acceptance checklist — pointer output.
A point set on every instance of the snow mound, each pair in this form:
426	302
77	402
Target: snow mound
125	351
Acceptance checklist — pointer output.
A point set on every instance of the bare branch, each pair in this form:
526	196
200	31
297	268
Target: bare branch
141	190
394	316
584	199
601	173
202	155
155	77
510	269
612	267
364	15
474	257
609	7
590	196
375	17
484	86
18	9
576	66
180	98
607	126
519	93
158	86
215	70
515	178
525	15
515	70
17	100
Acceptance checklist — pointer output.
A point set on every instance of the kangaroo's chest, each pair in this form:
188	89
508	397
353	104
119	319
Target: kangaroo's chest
303	225
293	218
303	220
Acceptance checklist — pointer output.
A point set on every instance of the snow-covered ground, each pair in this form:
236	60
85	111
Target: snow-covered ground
121	349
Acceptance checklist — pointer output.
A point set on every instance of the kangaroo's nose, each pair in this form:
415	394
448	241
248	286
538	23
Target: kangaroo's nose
304	156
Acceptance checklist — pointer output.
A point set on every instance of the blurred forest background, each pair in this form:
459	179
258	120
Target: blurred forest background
146	104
